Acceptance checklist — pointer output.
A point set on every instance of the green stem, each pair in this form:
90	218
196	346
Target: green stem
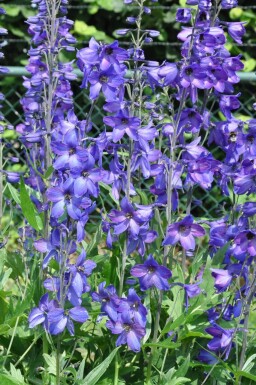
117	366
1	182
58	362
11	341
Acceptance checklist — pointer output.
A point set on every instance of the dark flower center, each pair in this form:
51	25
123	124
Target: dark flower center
188	71
203	17
67	197
85	174
109	51
128	215
151	269
232	137
72	151
103	79
127	327
183	228
124	121
135	305
104	300
249	236
250	139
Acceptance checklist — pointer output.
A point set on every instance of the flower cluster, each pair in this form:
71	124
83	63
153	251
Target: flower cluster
150	140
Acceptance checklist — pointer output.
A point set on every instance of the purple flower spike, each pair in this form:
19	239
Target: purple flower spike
184	232
151	274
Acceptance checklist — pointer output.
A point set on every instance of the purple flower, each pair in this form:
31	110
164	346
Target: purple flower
130	331
108	81
207	357
228	4
183	15
244	242
39	315
223	278
133	305
63	198
236	31
122	123
109	300
60	318
222	339
151	274
129	218
184	232
70	154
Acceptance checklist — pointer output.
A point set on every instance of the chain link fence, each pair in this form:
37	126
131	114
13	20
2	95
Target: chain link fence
208	204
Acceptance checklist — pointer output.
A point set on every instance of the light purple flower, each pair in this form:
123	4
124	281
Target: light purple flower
184	232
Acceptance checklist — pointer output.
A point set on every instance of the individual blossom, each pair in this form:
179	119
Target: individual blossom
131	332
122	123
109	300
183	15
244	243
59	319
133	305
130	219
222	339
236	30
184	232
151	274
39	315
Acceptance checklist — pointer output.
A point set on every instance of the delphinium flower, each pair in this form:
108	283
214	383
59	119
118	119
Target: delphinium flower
181	163
184	232
55	146
151	274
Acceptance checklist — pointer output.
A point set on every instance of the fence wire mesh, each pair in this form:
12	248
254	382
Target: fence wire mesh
208	204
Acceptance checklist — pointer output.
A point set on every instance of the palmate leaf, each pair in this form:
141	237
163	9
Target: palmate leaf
8	379
93	377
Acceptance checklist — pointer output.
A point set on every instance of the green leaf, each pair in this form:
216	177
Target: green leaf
48	172
182	371
248	362
3	330
28	208
242	373
51	363
8	379
95	241
12	10
93	377
80	371
219	256
167	344
83	29
14	193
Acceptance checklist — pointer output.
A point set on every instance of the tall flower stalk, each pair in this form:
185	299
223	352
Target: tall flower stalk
153	154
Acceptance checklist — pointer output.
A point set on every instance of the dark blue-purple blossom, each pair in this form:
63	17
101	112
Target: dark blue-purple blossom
151	274
131	332
222	339
129	218
133	305
109	300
